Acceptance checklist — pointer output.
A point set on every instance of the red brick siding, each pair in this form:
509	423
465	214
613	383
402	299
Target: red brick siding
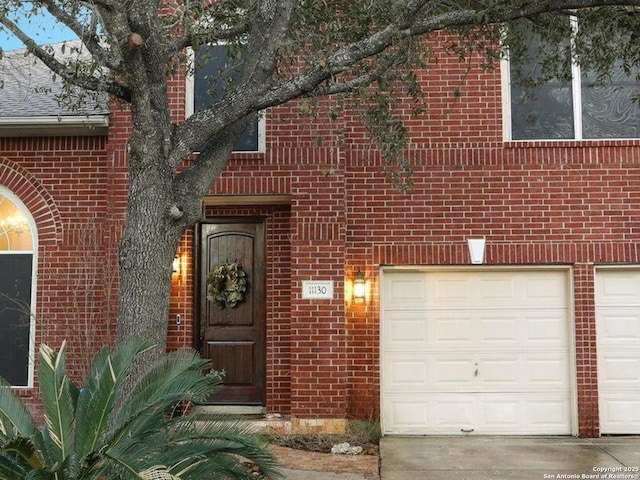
555	203
568	203
63	183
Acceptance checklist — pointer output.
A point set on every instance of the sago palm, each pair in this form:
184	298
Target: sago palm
90	433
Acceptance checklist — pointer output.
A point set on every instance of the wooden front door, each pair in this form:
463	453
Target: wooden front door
233	338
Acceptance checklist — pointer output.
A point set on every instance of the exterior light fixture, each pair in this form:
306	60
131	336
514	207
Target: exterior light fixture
359	286
476	250
175	266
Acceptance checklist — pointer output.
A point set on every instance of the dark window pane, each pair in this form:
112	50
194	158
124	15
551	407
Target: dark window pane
541	108
213	74
542	112
15	303
609	111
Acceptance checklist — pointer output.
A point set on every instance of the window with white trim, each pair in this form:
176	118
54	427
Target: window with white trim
213	72
576	109
17	254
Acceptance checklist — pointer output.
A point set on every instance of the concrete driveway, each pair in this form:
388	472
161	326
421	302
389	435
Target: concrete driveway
509	458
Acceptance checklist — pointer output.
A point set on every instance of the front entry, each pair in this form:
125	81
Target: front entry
233	336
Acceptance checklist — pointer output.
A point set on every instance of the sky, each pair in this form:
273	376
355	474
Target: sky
42	28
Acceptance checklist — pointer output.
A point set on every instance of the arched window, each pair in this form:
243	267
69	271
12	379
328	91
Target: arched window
17	251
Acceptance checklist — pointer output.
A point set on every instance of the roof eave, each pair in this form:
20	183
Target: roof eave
48	126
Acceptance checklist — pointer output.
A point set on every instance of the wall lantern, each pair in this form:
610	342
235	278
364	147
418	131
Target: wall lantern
476	250
359	286
175	266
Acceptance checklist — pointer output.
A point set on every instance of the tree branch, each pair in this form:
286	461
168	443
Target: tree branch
87	36
359	82
506	12
268	27
409	23
191	38
91	83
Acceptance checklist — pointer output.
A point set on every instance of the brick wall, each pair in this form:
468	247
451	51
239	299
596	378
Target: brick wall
569	203
63	183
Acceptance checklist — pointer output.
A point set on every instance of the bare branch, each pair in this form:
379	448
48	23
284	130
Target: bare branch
109	4
359	82
267	30
87	35
191	38
67	72
505	13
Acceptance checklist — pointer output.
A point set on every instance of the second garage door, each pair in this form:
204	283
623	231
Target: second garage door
475	351
618	334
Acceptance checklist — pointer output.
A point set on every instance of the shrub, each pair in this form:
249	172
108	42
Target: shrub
91	433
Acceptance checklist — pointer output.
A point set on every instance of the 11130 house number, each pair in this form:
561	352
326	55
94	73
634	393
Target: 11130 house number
317	289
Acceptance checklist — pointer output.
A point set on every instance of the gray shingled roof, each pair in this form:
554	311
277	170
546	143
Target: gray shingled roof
29	90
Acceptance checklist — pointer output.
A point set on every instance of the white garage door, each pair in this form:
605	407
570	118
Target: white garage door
618	342
480	351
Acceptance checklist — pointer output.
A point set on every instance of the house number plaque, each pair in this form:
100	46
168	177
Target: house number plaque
317	289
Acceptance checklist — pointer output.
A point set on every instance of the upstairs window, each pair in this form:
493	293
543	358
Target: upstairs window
213	73
579	108
16	296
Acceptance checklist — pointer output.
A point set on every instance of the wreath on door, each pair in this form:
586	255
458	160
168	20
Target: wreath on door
227	285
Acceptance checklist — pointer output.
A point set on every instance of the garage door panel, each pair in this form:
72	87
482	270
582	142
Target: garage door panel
403	290
617	288
496	328
438	413
618	347
547	371
529	414
453	412
443	372
533	289
406	331
491	356
551	414
407	373
406	414
447	290
499	373
499	414
542	371
452	373
544	288
546	328
482	414
619	413
619	370
619	326
450	330
429	373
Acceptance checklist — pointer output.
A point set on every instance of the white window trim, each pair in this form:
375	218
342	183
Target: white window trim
576	87
505	80
189	104
34	263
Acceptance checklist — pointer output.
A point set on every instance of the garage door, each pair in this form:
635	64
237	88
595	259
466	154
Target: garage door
618	341
478	351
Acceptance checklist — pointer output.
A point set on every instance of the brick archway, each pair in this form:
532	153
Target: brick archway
35	198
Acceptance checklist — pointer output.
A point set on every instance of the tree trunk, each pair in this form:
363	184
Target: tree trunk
146	253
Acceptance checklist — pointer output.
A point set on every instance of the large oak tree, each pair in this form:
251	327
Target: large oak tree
284	50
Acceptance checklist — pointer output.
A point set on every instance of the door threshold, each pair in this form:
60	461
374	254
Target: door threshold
231	409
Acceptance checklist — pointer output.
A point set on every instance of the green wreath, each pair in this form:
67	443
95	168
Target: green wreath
226	285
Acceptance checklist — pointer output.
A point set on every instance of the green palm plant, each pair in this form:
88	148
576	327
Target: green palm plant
93	434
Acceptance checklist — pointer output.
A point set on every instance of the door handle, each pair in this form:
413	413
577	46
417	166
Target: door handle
475	372
467	430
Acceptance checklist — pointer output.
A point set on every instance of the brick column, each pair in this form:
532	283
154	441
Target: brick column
586	354
318	334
